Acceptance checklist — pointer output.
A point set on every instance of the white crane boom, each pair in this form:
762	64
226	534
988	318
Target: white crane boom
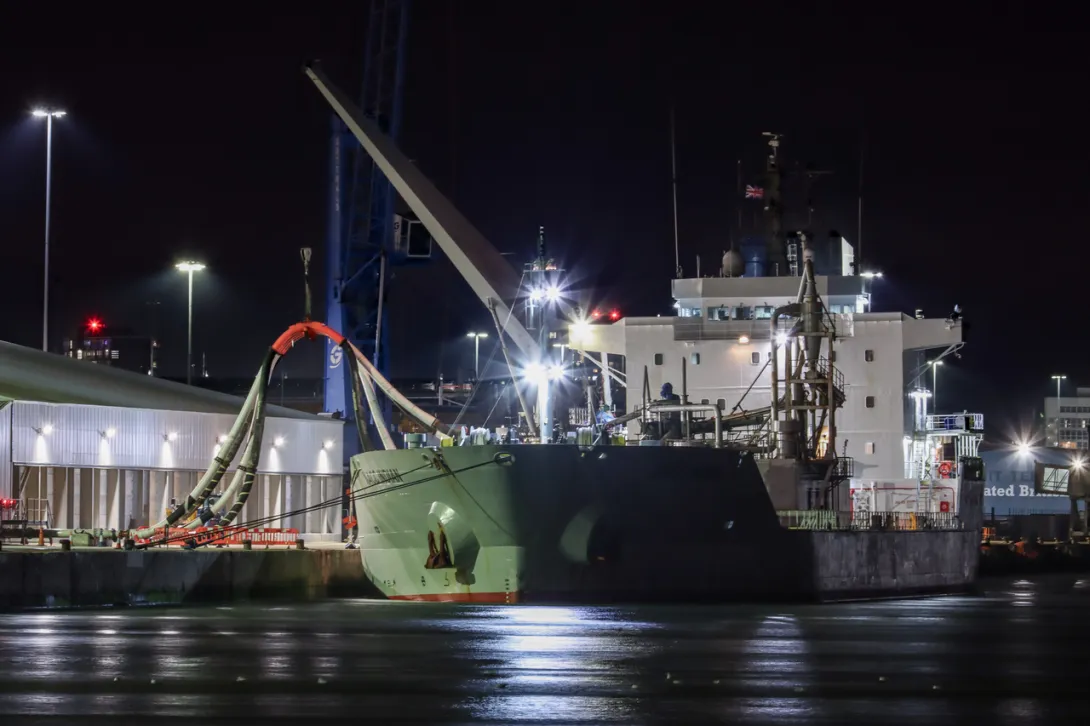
490	276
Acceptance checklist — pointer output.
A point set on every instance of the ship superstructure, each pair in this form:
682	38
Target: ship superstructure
726	344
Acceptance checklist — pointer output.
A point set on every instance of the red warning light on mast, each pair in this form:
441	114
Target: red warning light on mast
94	326
614	314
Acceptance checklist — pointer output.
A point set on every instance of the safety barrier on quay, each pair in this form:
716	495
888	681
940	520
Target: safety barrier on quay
840	521
218	536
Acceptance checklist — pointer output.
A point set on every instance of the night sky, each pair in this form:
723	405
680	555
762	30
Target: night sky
196	134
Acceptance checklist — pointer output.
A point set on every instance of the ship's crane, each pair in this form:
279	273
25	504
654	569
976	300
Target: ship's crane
484	268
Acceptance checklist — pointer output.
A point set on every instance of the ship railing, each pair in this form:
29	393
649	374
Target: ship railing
859	521
954	422
825	368
928	469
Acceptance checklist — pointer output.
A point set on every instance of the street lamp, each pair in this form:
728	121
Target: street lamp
189	268
476	352
1058	378
48	115
935	384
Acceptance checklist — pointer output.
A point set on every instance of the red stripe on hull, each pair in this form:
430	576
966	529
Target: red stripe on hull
491	598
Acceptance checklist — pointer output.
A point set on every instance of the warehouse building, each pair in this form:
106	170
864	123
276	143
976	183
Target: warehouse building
96	446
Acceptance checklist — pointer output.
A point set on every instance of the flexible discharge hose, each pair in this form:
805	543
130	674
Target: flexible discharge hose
422	417
357	398
238	491
376	412
222	460
247	467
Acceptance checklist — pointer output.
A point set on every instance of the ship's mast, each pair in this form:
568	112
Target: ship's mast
776	247
673	175
542	278
807	391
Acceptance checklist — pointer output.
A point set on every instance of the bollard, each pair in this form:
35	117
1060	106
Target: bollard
299	544
247	544
41	537
66	545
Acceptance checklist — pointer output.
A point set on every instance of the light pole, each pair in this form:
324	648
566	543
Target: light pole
189	267
935	385
1058	378
48	115
476	352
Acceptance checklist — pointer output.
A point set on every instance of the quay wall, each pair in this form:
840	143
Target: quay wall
96	578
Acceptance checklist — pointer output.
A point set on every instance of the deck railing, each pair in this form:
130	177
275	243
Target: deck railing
839	521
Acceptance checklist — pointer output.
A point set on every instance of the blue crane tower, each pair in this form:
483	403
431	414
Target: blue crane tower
366	239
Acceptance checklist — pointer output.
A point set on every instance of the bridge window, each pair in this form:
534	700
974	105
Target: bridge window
658	359
721	312
869	447
755	358
870	401
722	403
868	355
694	358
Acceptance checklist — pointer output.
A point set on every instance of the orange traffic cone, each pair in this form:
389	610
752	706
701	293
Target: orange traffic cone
41	537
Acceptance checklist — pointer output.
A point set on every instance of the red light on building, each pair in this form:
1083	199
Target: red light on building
596	314
94	326
614	314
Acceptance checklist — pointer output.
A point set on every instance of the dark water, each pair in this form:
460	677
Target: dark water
1017	654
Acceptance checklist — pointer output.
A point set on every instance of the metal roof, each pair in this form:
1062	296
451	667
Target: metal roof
31	375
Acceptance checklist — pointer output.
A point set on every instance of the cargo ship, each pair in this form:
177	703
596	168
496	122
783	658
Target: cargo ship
798	461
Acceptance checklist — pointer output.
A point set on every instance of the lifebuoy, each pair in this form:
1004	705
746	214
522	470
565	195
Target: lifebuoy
946	469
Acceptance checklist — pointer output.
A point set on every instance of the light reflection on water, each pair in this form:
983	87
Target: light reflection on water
887	663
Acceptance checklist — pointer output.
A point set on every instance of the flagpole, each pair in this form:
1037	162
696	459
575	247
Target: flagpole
741	202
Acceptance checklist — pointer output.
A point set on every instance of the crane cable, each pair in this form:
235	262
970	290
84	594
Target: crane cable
363	493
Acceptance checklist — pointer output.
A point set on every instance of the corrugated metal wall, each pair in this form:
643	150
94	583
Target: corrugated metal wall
7	471
66	435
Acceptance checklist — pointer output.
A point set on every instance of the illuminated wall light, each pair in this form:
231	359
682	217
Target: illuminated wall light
172	436
278	442
45	430
328	444
222	439
109	433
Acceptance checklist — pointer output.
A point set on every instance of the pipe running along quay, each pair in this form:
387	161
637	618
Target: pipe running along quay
249	426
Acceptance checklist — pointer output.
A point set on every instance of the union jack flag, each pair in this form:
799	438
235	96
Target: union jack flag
753	192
